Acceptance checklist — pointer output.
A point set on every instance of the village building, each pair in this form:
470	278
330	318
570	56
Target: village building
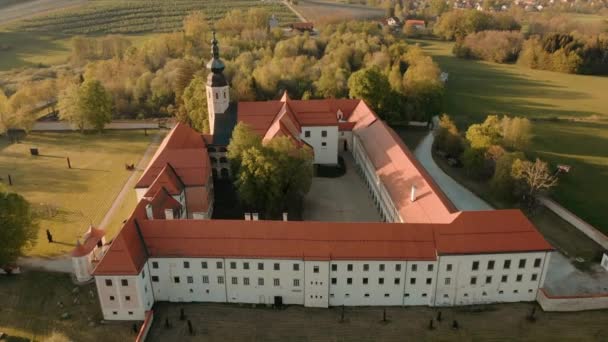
425	253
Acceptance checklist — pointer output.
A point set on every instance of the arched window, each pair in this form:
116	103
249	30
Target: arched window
224	94
217	96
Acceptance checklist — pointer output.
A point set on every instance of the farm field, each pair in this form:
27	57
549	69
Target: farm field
30	311
501	322
139	16
69	200
319	10
571	113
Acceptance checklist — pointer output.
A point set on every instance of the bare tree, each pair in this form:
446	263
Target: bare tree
535	177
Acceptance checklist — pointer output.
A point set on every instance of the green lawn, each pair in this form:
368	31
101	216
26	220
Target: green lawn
70	199
29	310
579	138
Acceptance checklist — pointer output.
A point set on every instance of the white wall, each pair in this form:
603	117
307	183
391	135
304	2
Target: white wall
345	136
120	302
218	99
327	154
315	283
489	285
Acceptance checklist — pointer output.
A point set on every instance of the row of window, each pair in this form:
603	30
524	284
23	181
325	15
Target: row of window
307	134
234	280
233	266
506	264
365	267
503	279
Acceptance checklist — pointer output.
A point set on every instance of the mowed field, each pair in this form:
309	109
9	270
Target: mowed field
30	311
320	10
44	38
504	322
571	113
69	200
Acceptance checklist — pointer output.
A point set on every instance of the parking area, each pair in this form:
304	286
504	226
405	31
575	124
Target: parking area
341	199
504	322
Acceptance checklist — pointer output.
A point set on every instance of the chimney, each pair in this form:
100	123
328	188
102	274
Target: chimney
413	194
168	214
247	216
255	216
284	216
149	213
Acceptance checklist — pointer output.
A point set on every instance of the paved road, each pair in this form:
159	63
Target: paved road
30	8
462	198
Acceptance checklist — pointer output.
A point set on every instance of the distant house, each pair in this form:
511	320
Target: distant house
416	24
392	22
302	27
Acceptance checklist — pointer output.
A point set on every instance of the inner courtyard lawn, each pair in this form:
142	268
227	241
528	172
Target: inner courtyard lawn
29	310
69	200
570	112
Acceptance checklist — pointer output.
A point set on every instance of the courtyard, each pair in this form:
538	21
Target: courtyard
341	199
224	322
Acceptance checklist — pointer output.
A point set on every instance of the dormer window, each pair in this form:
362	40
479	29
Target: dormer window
340	115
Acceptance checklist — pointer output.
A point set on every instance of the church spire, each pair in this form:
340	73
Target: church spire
216	65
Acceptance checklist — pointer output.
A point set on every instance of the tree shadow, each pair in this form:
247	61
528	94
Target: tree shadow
17	45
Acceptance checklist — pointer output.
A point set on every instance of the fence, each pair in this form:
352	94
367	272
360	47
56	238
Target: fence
145	328
572	303
593	233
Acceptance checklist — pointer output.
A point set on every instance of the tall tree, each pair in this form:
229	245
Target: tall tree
242	139
95	103
482	136
516	132
18	227
69	107
447	137
195	104
535	177
369	85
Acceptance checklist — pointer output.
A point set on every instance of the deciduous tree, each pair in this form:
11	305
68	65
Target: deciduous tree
18	227
95	103
369	85
536	178
195	104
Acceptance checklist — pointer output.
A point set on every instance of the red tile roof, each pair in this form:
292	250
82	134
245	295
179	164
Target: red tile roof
163	200
399	171
470	232
186	151
91	238
167	179
279	239
499	231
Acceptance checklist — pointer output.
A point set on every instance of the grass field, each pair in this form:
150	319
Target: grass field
571	113
29	310
320	10
505	322
68	200
139	16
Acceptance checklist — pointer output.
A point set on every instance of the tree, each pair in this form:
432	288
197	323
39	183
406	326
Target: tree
535	177
5	112
256	183
18	227
95	104
437	7
447	137
242	139
516	132
474	163
369	85
503	182
195	104
482	136
69	107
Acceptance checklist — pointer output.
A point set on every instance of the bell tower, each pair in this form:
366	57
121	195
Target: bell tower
218	97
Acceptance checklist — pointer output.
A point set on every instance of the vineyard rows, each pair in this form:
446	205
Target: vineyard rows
139	16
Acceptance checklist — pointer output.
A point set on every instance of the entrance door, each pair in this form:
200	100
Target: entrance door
345	146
